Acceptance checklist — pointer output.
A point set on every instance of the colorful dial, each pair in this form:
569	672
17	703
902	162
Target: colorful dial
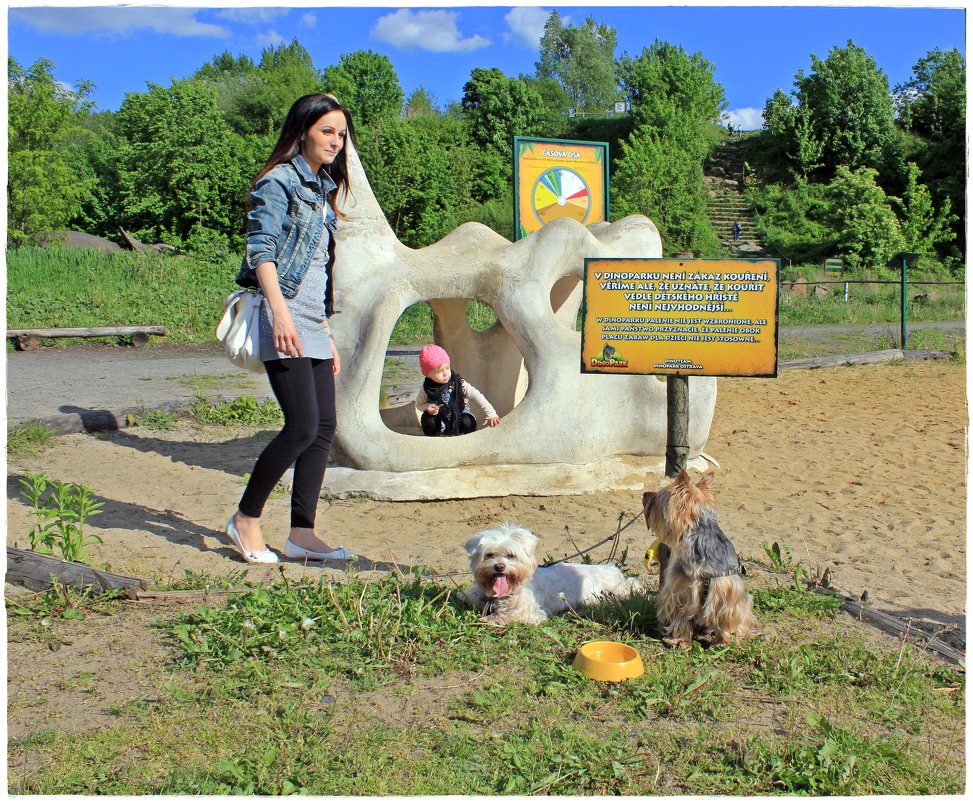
561	192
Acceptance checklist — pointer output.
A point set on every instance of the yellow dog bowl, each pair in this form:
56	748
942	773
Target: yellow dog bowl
604	660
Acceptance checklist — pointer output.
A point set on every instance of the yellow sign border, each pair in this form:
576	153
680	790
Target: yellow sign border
705	317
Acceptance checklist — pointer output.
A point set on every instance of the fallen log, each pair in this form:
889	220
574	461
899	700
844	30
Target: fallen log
29	338
35	571
873	357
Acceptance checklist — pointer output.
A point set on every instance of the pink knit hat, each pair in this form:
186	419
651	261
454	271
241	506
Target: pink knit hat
431	357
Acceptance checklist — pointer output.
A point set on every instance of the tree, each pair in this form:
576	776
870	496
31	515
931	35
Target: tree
658	176
933	102
255	98
924	228
792	147
179	164
555	103
666	82
867	231
94	152
366	84
44	187
932	107
420	171
582	59
496	109
420	103
842	114
675	104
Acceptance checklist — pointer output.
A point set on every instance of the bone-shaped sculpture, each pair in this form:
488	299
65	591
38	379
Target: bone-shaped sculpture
528	365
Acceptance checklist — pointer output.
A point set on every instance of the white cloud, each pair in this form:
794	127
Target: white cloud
525	26
116	21
270	39
309	21
435	31
251	16
745	119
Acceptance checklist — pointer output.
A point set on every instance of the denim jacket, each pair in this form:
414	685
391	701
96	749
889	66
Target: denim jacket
285	224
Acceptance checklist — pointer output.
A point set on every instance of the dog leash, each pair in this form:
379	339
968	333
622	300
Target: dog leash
609	538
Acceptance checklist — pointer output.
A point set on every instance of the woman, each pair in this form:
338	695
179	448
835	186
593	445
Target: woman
291	217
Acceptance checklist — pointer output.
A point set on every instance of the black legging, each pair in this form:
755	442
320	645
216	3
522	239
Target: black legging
304	388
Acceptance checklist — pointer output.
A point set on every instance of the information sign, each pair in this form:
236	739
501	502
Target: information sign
713	317
555	178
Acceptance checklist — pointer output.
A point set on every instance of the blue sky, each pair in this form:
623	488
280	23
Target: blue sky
755	49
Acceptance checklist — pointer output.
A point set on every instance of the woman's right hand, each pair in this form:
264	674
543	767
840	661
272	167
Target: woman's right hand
285	332
286	340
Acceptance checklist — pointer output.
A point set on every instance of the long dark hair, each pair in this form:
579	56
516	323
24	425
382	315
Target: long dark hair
303	114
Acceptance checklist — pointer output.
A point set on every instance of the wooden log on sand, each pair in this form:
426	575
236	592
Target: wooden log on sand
35	570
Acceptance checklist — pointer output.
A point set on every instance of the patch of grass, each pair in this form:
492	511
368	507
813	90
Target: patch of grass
388	687
868	304
826	759
28	438
223	382
196	580
64	602
414	326
243	411
58	288
152	419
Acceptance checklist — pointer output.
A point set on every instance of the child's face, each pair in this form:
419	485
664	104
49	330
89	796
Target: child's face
440	374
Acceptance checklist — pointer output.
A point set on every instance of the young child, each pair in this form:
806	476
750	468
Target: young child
444	398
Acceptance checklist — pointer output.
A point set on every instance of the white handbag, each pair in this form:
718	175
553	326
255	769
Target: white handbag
239	329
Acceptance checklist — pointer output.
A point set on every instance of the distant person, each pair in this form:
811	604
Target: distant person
291	217
444	398
736	230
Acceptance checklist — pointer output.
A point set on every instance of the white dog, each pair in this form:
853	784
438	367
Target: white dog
508	586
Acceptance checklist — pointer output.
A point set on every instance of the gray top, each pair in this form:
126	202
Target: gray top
306	308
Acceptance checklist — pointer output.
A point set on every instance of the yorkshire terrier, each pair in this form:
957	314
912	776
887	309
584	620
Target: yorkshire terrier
510	587
702	591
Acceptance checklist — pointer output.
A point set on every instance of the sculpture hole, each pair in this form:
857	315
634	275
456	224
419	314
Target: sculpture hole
566	297
481	350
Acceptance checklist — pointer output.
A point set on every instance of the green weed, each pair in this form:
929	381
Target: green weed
196	580
153	419
780	555
28	438
63	601
243	411
61	510
361	630
823	760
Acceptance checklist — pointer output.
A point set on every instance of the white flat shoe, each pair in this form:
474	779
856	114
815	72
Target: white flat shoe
265	557
292	551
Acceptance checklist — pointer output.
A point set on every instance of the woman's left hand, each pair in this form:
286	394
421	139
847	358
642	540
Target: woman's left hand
336	359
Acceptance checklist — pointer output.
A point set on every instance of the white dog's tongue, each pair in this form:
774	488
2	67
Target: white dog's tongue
500	586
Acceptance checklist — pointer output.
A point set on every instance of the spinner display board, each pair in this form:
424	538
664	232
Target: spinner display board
555	178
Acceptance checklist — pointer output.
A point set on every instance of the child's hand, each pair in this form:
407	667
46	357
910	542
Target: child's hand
432	409
492	421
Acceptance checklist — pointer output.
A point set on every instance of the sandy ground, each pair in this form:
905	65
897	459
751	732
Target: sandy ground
860	469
